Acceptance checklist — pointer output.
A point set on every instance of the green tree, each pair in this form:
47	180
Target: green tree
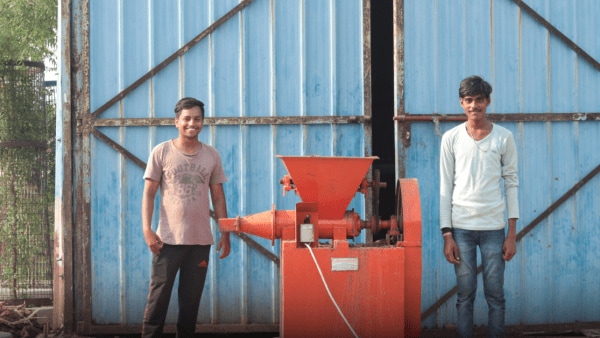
27	36
27	29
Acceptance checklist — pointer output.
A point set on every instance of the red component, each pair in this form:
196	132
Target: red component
331	182
377	288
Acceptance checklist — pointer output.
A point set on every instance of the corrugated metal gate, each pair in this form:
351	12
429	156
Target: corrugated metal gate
277	77
541	57
293	77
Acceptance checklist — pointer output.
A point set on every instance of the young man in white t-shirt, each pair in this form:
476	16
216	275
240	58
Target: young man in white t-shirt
475	157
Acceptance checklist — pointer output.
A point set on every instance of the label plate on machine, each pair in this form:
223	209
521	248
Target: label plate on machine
344	264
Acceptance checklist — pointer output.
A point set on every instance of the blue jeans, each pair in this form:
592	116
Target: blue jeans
490	245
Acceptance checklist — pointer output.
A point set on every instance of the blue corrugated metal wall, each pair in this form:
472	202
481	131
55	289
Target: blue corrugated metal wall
304	58
553	278
274	59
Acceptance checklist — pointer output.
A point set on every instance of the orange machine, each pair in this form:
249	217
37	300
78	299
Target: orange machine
333	288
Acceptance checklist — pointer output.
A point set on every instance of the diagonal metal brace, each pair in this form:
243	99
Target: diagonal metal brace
558	34
171	58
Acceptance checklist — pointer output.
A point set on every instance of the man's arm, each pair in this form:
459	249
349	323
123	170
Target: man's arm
220	205
511	184
511	178
152	240
447	169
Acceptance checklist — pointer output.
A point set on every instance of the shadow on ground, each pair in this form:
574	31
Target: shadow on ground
548	330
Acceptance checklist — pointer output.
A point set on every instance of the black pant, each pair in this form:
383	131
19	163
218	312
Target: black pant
192	263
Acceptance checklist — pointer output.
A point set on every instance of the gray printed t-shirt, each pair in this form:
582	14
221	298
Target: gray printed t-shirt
184	190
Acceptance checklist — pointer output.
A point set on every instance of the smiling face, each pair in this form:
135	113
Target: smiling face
190	122
474	93
475	107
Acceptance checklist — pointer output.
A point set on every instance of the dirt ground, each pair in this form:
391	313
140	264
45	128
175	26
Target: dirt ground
19	321
553	331
545	330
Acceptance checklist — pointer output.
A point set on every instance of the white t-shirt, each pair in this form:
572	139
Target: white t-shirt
470	179
184	191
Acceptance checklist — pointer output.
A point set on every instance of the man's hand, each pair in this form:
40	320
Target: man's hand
153	241
509	249
451	249
224	245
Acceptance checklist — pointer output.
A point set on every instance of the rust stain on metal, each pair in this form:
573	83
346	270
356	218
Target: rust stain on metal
399	100
513	117
80	296
367	57
267	120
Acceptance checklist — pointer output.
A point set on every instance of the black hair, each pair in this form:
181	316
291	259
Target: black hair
473	86
187	103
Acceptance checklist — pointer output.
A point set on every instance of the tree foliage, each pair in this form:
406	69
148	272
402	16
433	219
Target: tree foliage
27	36
28	29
